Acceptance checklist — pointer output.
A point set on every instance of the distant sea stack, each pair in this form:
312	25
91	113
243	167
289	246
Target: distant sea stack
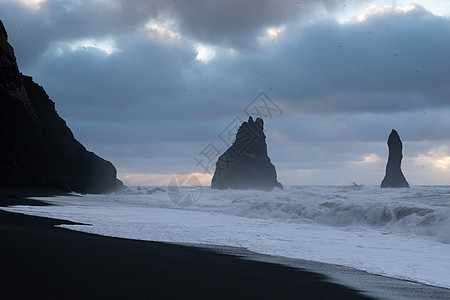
36	146
394	177
245	165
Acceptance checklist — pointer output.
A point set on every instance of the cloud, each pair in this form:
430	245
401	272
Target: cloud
234	23
369	158
131	179
389	63
437	158
164	34
383	10
148	84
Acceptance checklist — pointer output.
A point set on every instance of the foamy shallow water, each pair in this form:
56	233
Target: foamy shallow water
401	233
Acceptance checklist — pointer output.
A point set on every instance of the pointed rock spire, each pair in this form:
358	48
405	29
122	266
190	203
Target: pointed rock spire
394	177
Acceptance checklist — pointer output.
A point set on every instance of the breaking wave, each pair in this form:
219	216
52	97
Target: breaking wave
420	210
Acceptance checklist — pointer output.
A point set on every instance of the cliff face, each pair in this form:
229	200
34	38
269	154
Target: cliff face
245	165
394	177
36	146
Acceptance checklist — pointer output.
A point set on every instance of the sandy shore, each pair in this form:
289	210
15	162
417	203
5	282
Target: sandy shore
41	261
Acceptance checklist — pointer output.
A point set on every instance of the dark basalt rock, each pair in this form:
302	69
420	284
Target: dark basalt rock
36	146
394	177
245	165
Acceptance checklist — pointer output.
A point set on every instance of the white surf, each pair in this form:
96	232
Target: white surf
401	233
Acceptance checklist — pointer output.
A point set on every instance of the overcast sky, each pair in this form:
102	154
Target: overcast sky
149	85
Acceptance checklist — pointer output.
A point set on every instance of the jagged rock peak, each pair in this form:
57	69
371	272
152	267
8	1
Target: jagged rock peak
7	58
5	47
394	177
246	165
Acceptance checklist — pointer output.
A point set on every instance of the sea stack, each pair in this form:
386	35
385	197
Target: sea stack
36	146
394	177
245	165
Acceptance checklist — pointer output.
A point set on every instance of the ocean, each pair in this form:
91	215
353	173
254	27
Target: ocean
399	233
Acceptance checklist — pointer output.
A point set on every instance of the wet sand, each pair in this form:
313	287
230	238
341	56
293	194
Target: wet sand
41	261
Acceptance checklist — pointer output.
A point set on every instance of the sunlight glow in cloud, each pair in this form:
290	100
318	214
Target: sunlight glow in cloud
205	53
271	34
369	158
34	4
439	158
134	179
383	9
108	46
361	15
162	33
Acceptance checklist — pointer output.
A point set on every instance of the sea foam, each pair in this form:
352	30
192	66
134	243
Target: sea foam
402	233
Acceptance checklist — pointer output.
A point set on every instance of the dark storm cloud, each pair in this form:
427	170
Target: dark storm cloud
139	71
236	23
389	63
231	23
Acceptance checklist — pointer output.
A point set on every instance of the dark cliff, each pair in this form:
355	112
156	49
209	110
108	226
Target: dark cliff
394	177
36	146
245	165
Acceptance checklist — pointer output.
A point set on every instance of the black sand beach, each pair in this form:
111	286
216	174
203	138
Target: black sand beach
40	261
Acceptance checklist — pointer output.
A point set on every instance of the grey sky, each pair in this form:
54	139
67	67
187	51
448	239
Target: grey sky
148	84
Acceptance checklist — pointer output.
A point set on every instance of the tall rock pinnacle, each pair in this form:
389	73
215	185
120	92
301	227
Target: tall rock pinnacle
245	165
394	177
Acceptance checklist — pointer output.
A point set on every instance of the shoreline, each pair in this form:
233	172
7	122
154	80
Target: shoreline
44	261
371	284
351	279
374	285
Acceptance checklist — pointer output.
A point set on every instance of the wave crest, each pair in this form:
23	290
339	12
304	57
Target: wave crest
387	211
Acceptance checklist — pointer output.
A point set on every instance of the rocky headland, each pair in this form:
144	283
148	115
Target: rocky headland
36	146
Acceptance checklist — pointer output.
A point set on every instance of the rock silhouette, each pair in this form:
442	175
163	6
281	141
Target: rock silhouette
245	165
36	146
394	177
